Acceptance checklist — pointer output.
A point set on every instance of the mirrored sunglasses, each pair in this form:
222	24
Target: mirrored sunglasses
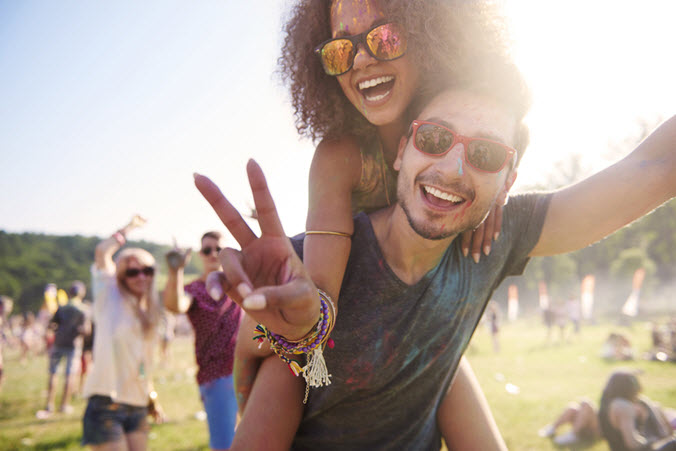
482	154
384	42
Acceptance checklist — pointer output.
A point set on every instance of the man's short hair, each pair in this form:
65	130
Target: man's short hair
77	289
213	234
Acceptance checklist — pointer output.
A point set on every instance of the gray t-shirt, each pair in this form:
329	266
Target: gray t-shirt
397	346
69	320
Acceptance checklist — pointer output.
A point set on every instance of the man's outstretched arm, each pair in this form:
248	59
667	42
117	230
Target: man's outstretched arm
592	209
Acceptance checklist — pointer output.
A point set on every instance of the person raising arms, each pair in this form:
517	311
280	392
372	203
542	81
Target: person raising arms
409	301
354	67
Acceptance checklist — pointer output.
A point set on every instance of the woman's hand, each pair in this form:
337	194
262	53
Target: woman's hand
266	277
480	239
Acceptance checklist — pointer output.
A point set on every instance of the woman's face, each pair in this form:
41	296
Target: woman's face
140	283
380	90
210	260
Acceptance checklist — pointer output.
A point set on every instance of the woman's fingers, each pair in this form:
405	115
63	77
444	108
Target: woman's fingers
466	240
228	214
268	219
217	285
489	227
477	241
238	280
297	303
497	210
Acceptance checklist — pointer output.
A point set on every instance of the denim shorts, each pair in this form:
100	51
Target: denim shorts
107	421
56	354
218	397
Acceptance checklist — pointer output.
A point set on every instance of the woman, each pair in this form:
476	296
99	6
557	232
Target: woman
631	422
126	311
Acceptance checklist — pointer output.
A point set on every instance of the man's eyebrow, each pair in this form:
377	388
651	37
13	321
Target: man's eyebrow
484	135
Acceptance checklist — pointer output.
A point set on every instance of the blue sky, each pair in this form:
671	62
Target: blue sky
107	108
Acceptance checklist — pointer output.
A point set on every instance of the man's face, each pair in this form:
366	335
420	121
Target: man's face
443	196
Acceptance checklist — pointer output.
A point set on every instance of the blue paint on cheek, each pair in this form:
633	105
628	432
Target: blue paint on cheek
459	166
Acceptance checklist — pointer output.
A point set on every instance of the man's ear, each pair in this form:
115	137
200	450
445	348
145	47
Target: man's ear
400	152
504	192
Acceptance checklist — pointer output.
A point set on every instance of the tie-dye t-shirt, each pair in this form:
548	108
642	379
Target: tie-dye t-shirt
397	346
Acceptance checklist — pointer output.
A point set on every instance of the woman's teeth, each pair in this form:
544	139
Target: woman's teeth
375	82
376	89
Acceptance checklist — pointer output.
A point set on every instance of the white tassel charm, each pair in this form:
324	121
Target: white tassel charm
315	372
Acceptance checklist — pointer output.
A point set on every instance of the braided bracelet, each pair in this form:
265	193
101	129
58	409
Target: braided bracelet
314	372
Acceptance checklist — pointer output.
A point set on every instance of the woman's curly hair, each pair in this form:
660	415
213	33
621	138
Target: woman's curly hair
452	42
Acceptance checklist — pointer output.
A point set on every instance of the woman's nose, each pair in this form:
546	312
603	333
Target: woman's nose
363	58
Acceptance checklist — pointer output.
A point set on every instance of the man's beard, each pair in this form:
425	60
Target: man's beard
425	228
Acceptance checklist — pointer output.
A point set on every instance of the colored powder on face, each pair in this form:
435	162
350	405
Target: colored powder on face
460	166
461	213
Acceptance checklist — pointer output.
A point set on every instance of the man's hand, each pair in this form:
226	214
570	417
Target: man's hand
266	278
177	258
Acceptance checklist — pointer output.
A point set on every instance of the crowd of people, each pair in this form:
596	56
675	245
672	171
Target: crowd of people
419	110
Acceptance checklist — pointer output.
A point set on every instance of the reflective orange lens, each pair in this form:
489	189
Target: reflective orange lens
337	56
383	42
387	42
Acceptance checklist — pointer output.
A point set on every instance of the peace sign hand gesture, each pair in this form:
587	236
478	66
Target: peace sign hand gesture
266	278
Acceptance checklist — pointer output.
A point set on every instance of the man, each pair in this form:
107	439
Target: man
68	324
409	303
215	323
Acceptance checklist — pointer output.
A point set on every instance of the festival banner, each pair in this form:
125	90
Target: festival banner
587	296
512	302
630	308
544	297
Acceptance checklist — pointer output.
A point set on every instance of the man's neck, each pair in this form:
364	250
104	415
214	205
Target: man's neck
408	254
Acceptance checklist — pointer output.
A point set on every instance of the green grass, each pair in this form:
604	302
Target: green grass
548	376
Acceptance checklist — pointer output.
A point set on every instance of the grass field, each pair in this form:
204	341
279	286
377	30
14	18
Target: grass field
547	375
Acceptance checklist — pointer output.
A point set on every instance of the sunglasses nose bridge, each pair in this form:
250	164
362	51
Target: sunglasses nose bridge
362	56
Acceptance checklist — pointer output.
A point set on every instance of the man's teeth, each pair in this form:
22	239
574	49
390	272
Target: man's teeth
441	195
375	82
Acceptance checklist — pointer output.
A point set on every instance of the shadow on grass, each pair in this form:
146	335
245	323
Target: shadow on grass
580	446
72	442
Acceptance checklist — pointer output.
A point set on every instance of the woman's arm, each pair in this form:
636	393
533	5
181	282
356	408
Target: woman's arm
103	255
334	173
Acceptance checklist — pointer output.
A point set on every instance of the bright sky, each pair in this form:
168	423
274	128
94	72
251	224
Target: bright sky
107	108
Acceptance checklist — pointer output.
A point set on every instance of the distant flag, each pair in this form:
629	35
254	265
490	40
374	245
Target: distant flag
587	296
630	308
544	297
512	302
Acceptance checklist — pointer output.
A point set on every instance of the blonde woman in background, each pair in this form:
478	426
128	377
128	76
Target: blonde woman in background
126	311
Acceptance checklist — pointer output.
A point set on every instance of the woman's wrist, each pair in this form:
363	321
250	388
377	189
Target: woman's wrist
120	237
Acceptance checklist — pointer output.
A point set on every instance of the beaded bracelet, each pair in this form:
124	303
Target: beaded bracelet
314	372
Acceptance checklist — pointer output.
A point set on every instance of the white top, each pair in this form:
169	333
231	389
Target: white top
122	353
